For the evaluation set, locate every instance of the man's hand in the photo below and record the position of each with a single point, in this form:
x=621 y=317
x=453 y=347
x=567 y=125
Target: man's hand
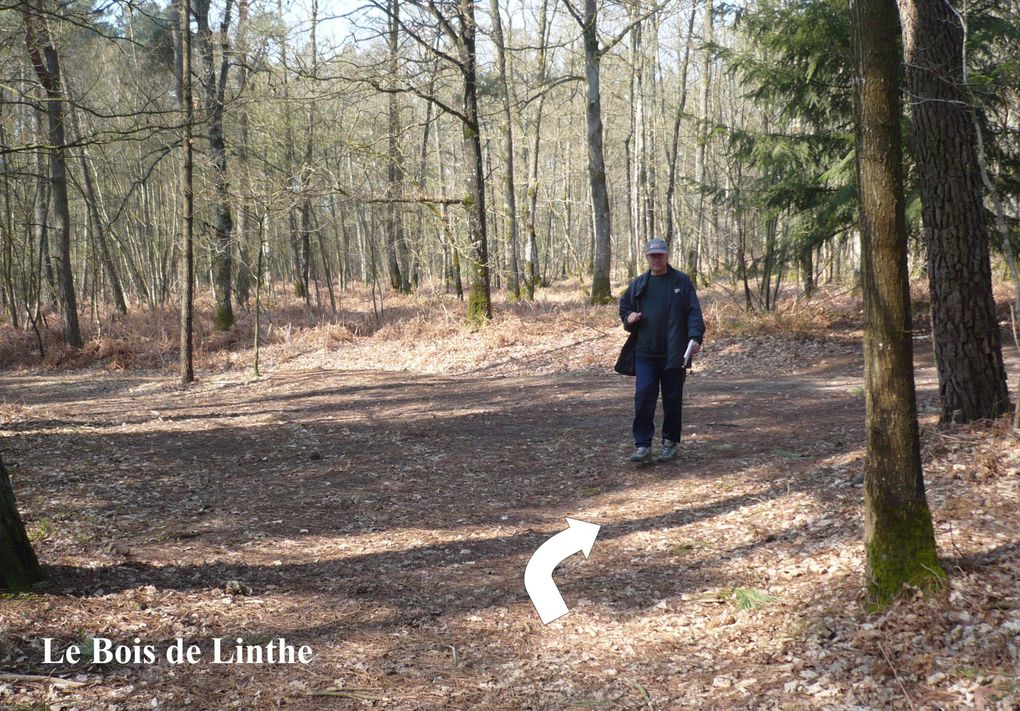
x=696 y=348
x=633 y=317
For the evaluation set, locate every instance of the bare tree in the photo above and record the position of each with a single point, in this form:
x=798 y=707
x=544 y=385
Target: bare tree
x=509 y=190
x=46 y=63
x=214 y=80
x=187 y=258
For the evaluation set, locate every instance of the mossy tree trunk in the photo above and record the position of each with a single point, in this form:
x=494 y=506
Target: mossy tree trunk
x=19 y=567
x=898 y=534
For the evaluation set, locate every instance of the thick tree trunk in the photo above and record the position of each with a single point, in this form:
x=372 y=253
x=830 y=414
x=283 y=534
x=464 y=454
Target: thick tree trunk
x=968 y=348
x=898 y=534
x=19 y=567
x=479 y=305
x=600 y=291
x=46 y=63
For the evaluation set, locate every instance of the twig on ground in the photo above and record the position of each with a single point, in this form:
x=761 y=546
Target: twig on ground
x=910 y=702
x=348 y=694
x=55 y=680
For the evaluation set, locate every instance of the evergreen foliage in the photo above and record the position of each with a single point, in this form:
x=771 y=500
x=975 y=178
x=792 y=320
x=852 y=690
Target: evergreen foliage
x=796 y=65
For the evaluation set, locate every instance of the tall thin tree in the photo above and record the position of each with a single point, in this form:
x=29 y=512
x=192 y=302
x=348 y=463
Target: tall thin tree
x=187 y=255
x=898 y=535
x=43 y=54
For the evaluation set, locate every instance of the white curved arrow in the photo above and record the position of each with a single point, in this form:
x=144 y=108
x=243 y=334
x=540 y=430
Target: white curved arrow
x=538 y=581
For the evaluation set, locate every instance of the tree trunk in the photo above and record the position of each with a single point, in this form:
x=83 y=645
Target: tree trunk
x=187 y=256
x=807 y=271
x=99 y=219
x=47 y=68
x=242 y=284
x=509 y=190
x=394 y=166
x=215 y=86
x=532 y=269
x=675 y=144
x=19 y=567
x=700 y=239
x=479 y=305
x=898 y=534
x=637 y=168
x=600 y=291
x=968 y=348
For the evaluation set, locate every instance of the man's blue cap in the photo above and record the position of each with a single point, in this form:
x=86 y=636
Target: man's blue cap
x=657 y=246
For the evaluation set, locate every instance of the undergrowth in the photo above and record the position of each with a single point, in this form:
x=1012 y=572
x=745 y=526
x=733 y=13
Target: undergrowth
x=148 y=338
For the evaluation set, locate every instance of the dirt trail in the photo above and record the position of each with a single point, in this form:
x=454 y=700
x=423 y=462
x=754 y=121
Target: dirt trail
x=385 y=520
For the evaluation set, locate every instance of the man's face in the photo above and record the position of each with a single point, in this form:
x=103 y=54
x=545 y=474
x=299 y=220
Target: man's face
x=657 y=261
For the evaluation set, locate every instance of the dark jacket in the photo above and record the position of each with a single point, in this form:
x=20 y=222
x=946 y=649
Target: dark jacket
x=685 y=321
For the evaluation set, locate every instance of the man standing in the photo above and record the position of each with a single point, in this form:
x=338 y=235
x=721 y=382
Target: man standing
x=660 y=311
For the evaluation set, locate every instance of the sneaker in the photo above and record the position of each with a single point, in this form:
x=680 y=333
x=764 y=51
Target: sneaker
x=641 y=454
x=668 y=451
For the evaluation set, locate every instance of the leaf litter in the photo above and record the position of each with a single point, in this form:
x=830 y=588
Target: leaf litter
x=384 y=518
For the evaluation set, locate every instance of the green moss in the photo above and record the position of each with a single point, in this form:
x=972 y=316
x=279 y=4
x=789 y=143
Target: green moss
x=224 y=320
x=901 y=551
x=478 y=307
x=601 y=293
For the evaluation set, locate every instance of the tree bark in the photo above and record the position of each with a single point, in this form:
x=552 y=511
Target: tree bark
x=187 y=256
x=215 y=81
x=479 y=305
x=532 y=269
x=242 y=285
x=697 y=249
x=968 y=348
x=509 y=189
x=675 y=144
x=394 y=167
x=19 y=567
x=898 y=534
x=600 y=291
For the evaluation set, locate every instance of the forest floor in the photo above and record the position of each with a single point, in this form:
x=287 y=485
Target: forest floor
x=377 y=498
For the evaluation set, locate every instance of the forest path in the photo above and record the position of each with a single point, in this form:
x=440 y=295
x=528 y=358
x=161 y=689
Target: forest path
x=385 y=519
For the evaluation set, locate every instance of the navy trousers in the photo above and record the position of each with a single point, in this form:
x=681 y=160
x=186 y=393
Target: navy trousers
x=651 y=376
